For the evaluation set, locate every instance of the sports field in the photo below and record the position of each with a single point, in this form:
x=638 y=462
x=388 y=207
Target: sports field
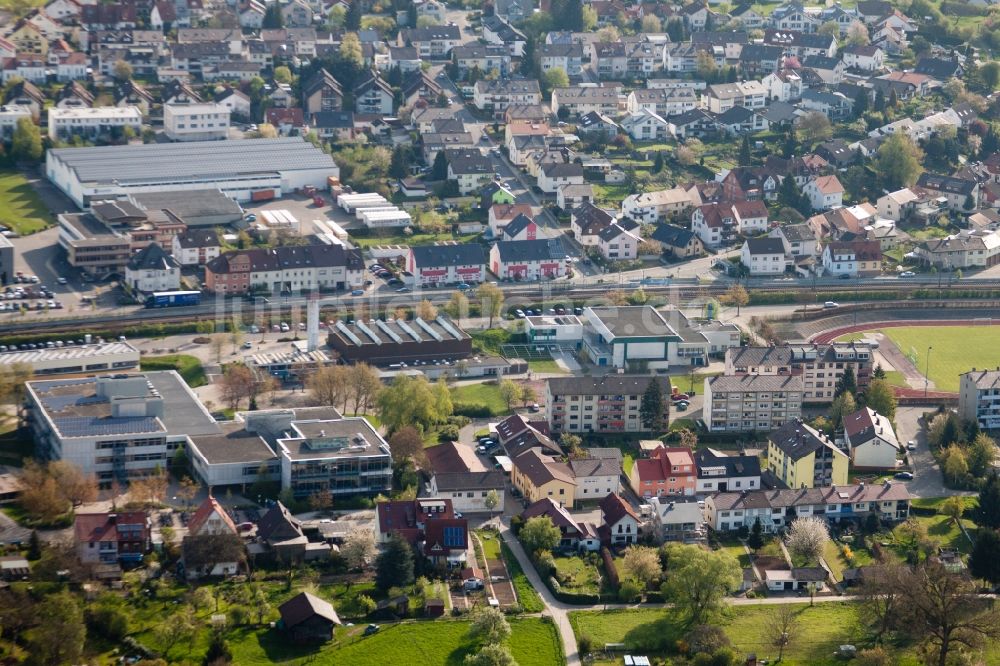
x=956 y=349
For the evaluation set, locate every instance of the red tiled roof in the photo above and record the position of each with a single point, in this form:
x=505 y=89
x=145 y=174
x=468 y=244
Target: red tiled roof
x=208 y=507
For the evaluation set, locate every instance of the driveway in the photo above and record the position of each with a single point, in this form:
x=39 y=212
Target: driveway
x=927 y=480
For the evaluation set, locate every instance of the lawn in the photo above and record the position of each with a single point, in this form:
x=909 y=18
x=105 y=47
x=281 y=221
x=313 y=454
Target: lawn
x=957 y=349
x=20 y=207
x=481 y=394
x=834 y=559
x=189 y=367
x=534 y=642
x=943 y=529
x=547 y=366
x=491 y=544
x=736 y=549
x=819 y=630
x=402 y=239
x=527 y=596
x=577 y=576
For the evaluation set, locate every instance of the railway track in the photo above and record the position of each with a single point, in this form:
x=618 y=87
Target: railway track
x=515 y=296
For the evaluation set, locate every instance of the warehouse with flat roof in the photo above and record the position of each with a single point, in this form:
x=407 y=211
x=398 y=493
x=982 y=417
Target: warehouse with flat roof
x=242 y=169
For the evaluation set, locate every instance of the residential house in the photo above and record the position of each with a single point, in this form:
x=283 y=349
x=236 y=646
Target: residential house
x=73 y=95
x=860 y=258
x=373 y=96
x=447 y=264
x=719 y=473
x=802 y=457
x=741 y=120
x=427 y=524
x=764 y=256
x=236 y=101
x=587 y=220
x=431 y=41
x=212 y=546
x=296 y=14
x=898 y=205
x=482 y=57
x=799 y=240
x=795 y=579
x=528 y=259
x=674 y=519
x=288 y=268
x=571 y=196
x=567 y=57
x=720 y=97
x=793 y=16
x=761 y=60
x=751 y=403
x=833 y=105
x=775 y=509
x=538 y=476
x=552 y=177
x=783 y=85
x=152 y=269
x=469 y=168
x=645 y=125
x=500 y=32
x=110 y=538
x=865 y=57
x=497 y=95
x=597 y=475
x=322 y=92
x=581 y=100
x=502 y=214
x=942 y=69
x=718 y=224
x=196 y=247
x=750 y=183
x=667 y=471
x=662 y=101
x=620 y=526
x=966 y=249
x=962 y=194
x=619 y=241
x=802 y=44
x=870 y=440
x=654 y=207
x=574 y=535
x=824 y=192
x=695 y=123
x=468 y=491
x=677 y=242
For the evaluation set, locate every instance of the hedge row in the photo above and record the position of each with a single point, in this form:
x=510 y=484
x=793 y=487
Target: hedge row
x=473 y=410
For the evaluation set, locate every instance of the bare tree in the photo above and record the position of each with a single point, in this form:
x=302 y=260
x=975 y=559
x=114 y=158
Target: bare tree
x=217 y=342
x=781 y=626
x=880 y=595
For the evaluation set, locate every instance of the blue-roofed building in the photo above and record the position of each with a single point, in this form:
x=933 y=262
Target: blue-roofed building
x=117 y=427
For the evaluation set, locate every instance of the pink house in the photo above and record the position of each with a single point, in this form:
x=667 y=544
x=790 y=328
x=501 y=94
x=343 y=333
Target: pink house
x=668 y=471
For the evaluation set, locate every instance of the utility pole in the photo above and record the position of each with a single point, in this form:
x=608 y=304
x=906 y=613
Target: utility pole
x=927 y=370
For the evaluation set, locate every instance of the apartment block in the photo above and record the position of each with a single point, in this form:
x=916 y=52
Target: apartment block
x=979 y=398
x=751 y=403
x=802 y=457
x=196 y=122
x=820 y=366
x=598 y=404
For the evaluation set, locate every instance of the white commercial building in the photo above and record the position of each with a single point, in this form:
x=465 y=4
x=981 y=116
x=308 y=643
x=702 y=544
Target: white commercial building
x=118 y=427
x=196 y=122
x=65 y=123
x=244 y=170
x=75 y=359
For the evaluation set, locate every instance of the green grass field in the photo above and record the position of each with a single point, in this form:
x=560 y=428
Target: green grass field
x=580 y=577
x=415 y=239
x=957 y=349
x=483 y=394
x=819 y=630
x=546 y=365
x=534 y=642
x=527 y=596
x=189 y=367
x=20 y=207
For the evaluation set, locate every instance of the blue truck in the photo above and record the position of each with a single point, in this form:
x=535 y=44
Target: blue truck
x=171 y=299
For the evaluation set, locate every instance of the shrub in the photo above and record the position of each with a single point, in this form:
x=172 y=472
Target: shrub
x=448 y=433
x=629 y=591
x=610 y=570
x=706 y=639
x=545 y=564
x=584 y=644
x=472 y=410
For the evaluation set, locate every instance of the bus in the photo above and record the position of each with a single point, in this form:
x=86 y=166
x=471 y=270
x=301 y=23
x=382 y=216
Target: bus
x=169 y=299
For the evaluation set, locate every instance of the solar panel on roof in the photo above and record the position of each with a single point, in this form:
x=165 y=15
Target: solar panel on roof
x=90 y=426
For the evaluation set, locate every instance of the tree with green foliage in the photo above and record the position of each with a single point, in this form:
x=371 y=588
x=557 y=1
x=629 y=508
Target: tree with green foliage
x=843 y=405
x=34 y=546
x=439 y=171
x=744 y=156
x=273 y=18
x=492 y=654
x=981 y=454
x=400 y=165
x=410 y=401
x=756 y=539
x=698 y=580
x=553 y=78
x=899 y=161
x=355 y=12
x=60 y=637
x=790 y=195
x=846 y=383
x=880 y=397
x=510 y=393
x=394 y=565
x=652 y=408
x=987 y=512
x=984 y=562
x=878 y=372
x=736 y=295
x=489 y=625
x=658 y=163
x=26 y=144
x=539 y=534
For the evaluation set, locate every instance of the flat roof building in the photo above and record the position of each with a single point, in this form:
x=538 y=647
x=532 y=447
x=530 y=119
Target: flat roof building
x=309 y=450
x=198 y=208
x=395 y=341
x=118 y=427
x=239 y=169
x=116 y=356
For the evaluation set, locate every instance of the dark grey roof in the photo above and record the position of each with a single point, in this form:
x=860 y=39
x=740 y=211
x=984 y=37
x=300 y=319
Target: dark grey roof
x=821 y=62
x=467 y=254
x=765 y=245
x=798 y=232
x=946 y=183
x=305 y=606
x=595 y=467
x=760 y=53
x=734 y=465
x=606 y=385
x=517 y=225
x=291 y=256
x=194 y=238
x=736 y=114
x=152 y=258
x=543 y=249
x=332 y=119
x=469 y=481
x=434 y=32
x=939 y=68
x=797 y=440
x=671 y=235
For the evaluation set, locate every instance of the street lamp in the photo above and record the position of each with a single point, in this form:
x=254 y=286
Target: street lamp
x=927 y=370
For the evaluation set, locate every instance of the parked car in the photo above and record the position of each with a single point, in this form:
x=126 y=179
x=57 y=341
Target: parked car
x=907 y=274
x=911 y=445
x=371 y=629
x=829 y=305
x=904 y=476
x=358 y=292
x=676 y=397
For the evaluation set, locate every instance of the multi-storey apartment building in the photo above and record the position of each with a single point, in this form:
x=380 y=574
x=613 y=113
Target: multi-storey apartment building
x=110 y=538
x=598 y=404
x=751 y=403
x=979 y=398
x=284 y=269
x=65 y=123
x=776 y=508
x=802 y=457
x=820 y=366
x=196 y=122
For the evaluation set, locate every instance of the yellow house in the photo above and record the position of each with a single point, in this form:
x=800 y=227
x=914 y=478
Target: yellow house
x=802 y=457
x=538 y=476
x=29 y=39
